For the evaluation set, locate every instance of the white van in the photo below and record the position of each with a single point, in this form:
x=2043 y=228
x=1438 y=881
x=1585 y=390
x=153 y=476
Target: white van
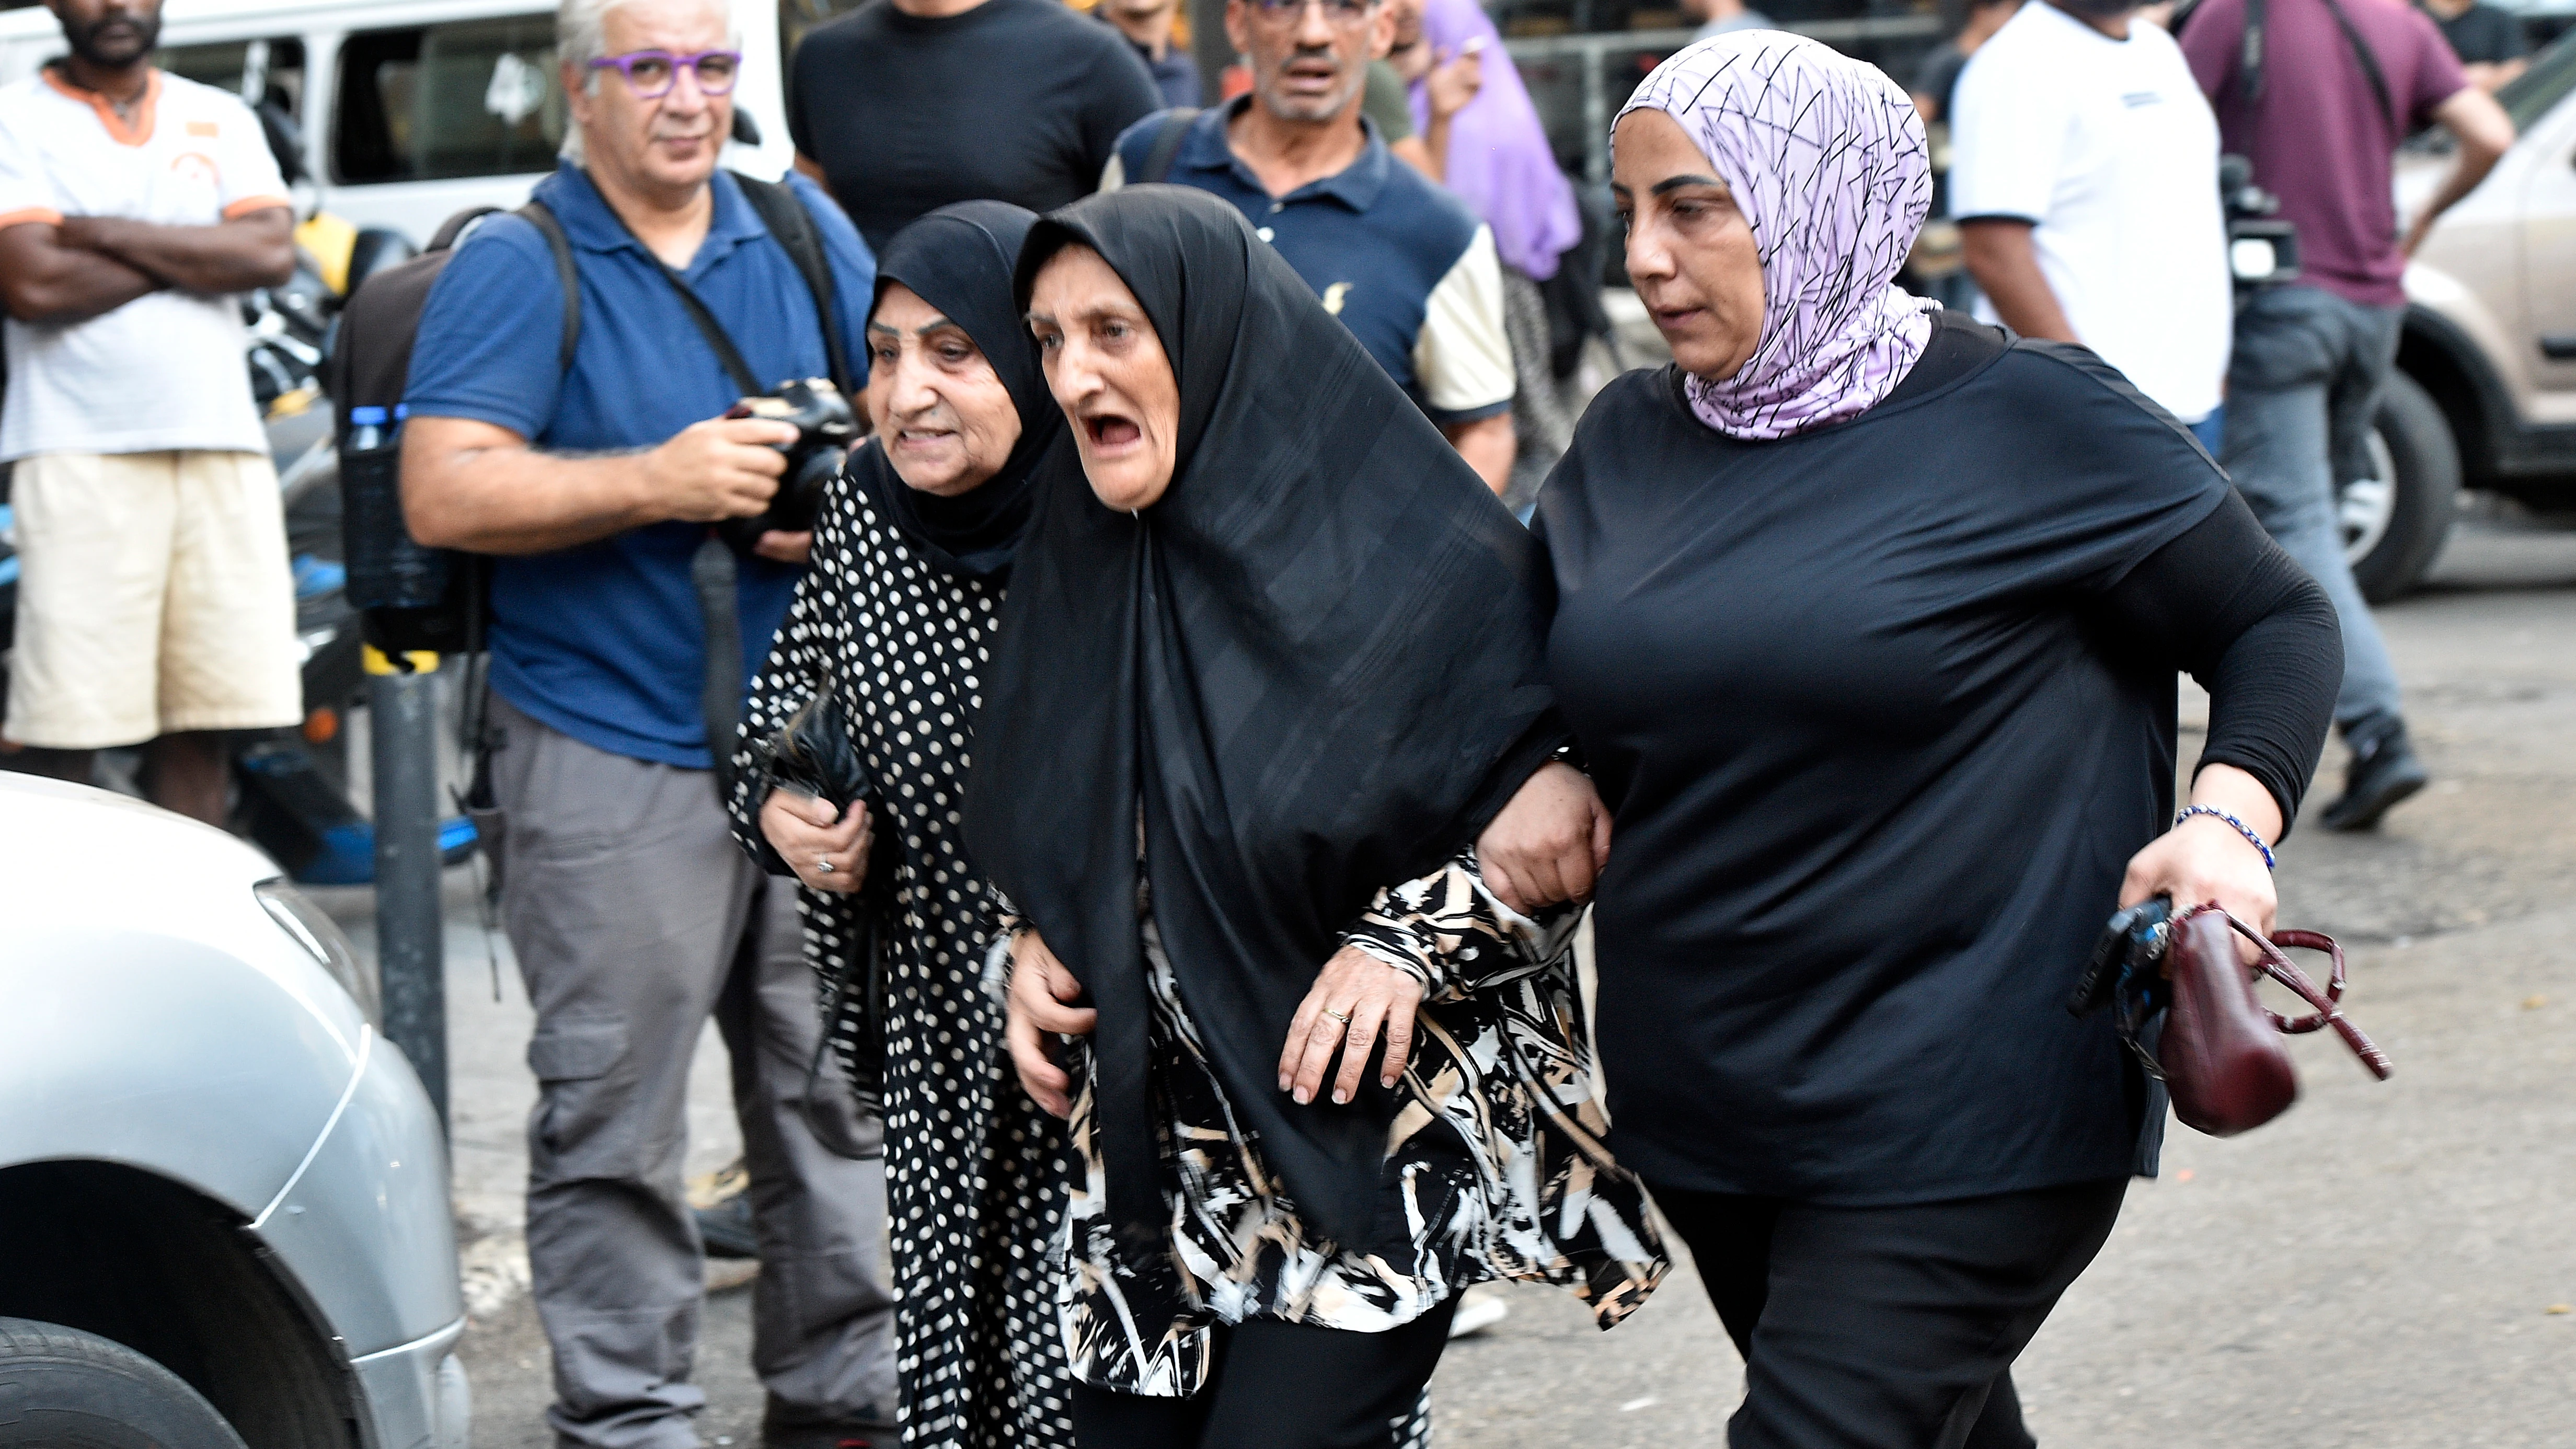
x=412 y=110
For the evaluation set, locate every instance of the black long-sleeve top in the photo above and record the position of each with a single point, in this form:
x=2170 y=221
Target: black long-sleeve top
x=1882 y=712
x=2222 y=602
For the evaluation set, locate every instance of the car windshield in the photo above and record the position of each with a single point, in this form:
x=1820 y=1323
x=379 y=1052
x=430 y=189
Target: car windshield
x=2530 y=95
x=2527 y=97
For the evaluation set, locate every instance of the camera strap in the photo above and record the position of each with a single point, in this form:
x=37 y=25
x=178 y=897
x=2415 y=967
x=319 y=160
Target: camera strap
x=745 y=381
x=2253 y=52
x=714 y=572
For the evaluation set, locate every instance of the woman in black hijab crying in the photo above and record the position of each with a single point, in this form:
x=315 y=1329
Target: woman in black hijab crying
x=910 y=557
x=1263 y=687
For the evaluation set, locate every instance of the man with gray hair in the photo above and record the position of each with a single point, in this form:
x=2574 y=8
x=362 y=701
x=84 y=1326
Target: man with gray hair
x=1403 y=263
x=624 y=629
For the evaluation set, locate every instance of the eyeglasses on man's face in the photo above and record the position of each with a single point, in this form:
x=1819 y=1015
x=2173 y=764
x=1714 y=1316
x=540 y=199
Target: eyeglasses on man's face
x=1340 y=12
x=652 y=73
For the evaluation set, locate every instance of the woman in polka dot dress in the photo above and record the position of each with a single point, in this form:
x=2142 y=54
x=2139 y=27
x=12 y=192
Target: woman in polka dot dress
x=911 y=554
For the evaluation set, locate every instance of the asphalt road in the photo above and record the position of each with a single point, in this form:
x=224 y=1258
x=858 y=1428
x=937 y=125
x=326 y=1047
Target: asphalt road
x=2390 y=1264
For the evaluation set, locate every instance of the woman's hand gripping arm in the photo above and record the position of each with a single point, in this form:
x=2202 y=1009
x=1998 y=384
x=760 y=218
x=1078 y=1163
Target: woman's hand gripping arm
x=1545 y=848
x=1550 y=841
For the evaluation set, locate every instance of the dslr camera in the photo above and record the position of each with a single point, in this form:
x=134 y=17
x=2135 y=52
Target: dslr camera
x=825 y=429
x=2262 y=249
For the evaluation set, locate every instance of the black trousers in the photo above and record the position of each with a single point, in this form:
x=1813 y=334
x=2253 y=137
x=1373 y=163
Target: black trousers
x=1887 y=1327
x=1280 y=1386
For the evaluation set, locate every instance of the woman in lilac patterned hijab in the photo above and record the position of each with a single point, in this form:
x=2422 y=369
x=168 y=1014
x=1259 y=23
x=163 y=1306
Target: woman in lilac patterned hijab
x=1826 y=160
x=1866 y=619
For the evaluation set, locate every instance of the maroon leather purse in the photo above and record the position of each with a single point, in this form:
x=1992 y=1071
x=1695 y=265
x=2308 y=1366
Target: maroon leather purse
x=2221 y=1054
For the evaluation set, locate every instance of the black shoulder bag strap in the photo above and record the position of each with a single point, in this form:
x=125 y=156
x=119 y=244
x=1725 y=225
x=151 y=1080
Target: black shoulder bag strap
x=1167 y=145
x=713 y=571
x=2250 y=58
x=2370 y=71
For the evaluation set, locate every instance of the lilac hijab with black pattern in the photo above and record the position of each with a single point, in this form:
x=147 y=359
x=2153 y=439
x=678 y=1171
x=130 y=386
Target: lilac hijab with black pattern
x=1827 y=161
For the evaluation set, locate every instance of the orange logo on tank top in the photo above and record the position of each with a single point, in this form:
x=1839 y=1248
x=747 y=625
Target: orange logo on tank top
x=195 y=168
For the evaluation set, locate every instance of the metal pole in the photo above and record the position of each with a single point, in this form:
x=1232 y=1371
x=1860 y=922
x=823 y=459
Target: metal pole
x=411 y=951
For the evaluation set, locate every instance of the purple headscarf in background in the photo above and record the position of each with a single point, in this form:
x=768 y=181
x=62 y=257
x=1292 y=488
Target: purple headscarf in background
x=1499 y=161
x=1826 y=158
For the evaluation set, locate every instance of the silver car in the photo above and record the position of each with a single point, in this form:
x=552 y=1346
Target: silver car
x=2485 y=391
x=223 y=1195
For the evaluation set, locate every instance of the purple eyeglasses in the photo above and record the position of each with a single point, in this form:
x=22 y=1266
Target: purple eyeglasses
x=652 y=73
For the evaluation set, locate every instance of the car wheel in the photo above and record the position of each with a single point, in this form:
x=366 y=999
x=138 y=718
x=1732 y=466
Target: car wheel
x=60 y=1386
x=2394 y=523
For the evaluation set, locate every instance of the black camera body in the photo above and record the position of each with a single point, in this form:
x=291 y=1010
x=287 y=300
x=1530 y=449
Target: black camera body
x=825 y=428
x=2262 y=249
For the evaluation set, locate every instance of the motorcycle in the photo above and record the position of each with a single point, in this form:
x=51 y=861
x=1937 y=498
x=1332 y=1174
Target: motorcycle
x=291 y=791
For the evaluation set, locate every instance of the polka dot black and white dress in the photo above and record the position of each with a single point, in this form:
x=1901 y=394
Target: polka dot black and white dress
x=976 y=1175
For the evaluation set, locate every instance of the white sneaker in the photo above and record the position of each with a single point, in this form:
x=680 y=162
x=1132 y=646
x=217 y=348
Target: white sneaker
x=1476 y=1313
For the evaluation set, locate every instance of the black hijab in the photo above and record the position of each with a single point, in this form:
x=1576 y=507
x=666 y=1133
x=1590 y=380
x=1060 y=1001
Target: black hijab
x=958 y=259
x=1314 y=669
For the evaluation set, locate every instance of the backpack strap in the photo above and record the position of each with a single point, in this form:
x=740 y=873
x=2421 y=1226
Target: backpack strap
x=455 y=228
x=561 y=246
x=1167 y=145
x=792 y=227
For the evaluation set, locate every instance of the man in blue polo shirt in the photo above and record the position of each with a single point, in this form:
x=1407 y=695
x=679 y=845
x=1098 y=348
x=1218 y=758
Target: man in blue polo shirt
x=1405 y=265
x=633 y=915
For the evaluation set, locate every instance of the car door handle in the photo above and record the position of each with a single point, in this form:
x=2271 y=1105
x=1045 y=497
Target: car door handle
x=2561 y=348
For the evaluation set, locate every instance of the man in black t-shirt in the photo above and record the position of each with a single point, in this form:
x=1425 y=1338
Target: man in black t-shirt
x=905 y=107
x=1147 y=24
x=2487 y=38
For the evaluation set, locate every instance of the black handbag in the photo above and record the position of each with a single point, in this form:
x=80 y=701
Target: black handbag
x=814 y=754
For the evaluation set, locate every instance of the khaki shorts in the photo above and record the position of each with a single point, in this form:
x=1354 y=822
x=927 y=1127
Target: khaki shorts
x=155 y=598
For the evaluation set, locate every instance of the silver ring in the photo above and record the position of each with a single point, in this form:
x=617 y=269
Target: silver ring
x=823 y=865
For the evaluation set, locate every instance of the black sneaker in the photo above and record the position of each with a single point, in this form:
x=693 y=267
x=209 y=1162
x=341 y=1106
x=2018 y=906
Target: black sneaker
x=778 y=1430
x=844 y=1436
x=725 y=1229
x=2384 y=771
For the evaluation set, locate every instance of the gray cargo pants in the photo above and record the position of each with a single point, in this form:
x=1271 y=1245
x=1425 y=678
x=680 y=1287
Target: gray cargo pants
x=635 y=917
x=2302 y=388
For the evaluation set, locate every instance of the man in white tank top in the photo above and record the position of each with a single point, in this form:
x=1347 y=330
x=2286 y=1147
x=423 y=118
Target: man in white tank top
x=156 y=602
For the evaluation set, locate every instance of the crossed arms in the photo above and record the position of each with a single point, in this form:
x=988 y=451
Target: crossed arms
x=54 y=273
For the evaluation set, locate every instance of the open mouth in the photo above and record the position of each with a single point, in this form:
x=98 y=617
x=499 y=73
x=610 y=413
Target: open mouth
x=1310 y=75
x=1109 y=430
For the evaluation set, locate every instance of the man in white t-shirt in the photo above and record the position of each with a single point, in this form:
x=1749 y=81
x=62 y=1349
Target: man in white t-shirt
x=155 y=602
x=2084 y=173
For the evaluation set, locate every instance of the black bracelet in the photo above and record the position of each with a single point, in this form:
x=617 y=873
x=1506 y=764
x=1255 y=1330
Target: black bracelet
x=2241 y=828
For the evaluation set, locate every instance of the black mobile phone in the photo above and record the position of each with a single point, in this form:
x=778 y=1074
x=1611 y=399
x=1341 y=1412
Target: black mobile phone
x=2125 y=938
